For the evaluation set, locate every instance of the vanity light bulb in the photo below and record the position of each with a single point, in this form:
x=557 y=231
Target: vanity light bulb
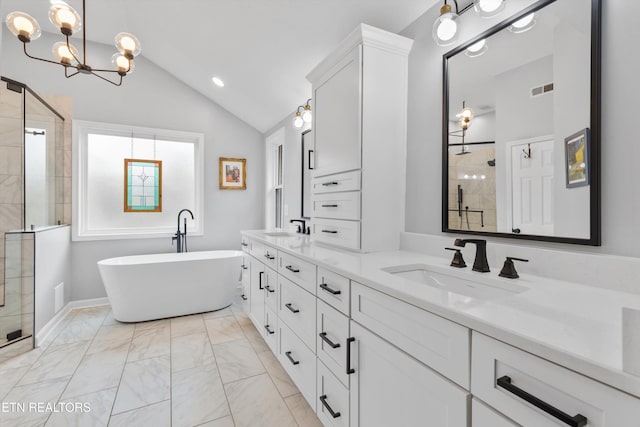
x=474 y=177
x=445 y=29
x=483 y=177
x=307 y=116
x=297 y=121
x=488 y=8
x=523 y=24
x=466 y=176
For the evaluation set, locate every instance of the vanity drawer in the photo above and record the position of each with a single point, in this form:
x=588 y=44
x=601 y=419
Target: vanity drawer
x=271 y=289
x=438 y=343
x=256 y=249
x=332 y=406
x=337 y=205
x=297 y=270
x=336 y=232
x=334 y=290
x=244 y=270
x=299 y=362
x=270 y=331
x=270 y=257
x=347 y=181
x=501 y=372
x=333 y=331
x=483 y=416
x=297 y=308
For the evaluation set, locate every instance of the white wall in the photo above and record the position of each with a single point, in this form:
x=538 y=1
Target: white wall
x=151 y=97
x=620 y=195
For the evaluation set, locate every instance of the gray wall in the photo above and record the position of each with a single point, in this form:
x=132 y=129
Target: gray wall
x=620 y=195
x=151 y=97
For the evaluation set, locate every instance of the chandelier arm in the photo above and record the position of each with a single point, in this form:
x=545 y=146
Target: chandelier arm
x=72 y=54
x=104 y=71
x=42 y=59
x=107 y=80
x=84 y=33
x=70 y=75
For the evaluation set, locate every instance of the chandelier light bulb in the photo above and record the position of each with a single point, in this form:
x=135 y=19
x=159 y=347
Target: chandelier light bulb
x=122 y=63
x=63 y=53
x=128 y=45
x=23 y=26
x=445 y=29
x=65 y=18
x=523 y=24
x=488 y=8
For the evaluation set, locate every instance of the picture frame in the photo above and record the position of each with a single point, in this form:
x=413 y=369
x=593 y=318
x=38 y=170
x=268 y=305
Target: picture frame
x=577 y=152
x=142 y=185
x=233 y=173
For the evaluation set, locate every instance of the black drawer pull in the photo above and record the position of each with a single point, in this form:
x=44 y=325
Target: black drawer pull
x=330 y=231
x=323 y=399
x=244 y=297
x=326 y=288
x=350 y=370
x=291 y=359
x=309 y=160
x=329 y=206
x=575 y=421
x=260 y=280
x=292 y=269
x=269 y=330
x=244 y=244
x=268 y=288
x=244 y=267
x=323 y=335
x=327 y=184
x=269 y=256
x=293 y=310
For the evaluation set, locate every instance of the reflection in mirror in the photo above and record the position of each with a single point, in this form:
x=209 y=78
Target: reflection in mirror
x=515 y=99
x=307 y=167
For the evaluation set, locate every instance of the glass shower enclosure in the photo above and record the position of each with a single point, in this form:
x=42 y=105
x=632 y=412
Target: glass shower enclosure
x=31 y=197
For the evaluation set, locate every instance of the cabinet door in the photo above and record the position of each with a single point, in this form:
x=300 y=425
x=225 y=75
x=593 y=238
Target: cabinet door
x=337 y=117
x=483 y=416
x=256 y=297
x=390 y=388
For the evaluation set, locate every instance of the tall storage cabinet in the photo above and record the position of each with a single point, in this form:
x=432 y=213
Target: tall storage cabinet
x=360 y=103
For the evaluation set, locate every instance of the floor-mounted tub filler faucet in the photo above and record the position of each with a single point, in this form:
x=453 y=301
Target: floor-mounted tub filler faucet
x=181 y=236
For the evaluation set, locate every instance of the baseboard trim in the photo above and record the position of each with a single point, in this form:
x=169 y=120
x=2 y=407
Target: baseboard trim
x=60 y=315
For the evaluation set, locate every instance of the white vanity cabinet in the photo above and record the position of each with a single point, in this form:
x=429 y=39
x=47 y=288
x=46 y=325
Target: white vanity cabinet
x=360 y=103
x=256 y=292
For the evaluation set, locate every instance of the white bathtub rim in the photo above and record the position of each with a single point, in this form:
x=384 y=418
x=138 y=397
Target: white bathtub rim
x=171 y=257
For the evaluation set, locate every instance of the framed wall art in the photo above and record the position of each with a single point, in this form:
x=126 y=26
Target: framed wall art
x=577 y=159
x=142 y=185
x=233 y=174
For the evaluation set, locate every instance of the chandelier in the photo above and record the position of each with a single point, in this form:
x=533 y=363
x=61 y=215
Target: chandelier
x=68 y=21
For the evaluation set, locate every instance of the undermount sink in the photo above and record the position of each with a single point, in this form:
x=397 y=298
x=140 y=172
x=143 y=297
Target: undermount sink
x=486 y=289
x=277 y=233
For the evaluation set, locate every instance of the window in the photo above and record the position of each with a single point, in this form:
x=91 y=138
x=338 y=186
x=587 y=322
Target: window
x=275 y=189
x=132 y=182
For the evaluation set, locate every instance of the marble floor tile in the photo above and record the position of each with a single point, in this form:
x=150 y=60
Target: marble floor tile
x=255 y=401
x=110 y=320
x=99 y=346
x=79 y=329
x=218 y=313
x=57 y=361
x=220 y=422
x=120 y=331
x=189 y=351
x=256 y=340
x=302 y=412
x=277 y=373
x=30 y=396
x=152 y=324
x=237 y=360
x=144 y=382
x=223 y=329
x=98 y=371
x=197 y=396
x=99 y=409
x=149 y=343
x=20 y=355
x=156 y=415
x=10 y=377
x=187 y=325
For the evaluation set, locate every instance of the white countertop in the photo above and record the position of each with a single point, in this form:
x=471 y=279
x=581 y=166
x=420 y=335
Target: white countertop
x=576 y=326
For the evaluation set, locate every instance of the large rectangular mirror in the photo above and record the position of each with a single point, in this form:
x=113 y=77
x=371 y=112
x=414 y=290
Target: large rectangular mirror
x=521 y=130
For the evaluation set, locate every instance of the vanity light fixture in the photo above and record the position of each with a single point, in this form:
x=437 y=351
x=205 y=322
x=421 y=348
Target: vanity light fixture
x=445 y=29
x=306 y=116
x=477 y=49
x=69 y=22
x=488 y=8
x=523 y=24
x=298 y=122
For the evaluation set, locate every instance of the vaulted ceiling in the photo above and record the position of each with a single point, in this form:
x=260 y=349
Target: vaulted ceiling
x=261 y=49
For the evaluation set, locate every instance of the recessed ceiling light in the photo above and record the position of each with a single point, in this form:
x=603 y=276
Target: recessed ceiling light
x=217 y=81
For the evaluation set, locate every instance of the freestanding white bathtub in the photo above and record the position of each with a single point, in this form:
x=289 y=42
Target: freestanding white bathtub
x=147 y=287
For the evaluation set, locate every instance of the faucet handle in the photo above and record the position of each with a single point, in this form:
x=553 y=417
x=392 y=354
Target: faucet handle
x=509 y=270
x=457 y=261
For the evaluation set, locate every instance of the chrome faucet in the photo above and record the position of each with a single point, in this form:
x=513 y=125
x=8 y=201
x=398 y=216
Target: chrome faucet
x=480 y=262
x=181 y=236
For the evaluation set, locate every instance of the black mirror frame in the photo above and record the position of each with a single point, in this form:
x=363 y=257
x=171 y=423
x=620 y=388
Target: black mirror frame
x=594 y=160
x=305 y=163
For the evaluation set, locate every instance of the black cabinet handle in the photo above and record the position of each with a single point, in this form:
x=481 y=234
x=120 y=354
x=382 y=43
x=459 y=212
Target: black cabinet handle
x=269 y=330
x=260 y=280
x=326 y=288
x=330 y=231
x=292 y=269
x=291 y=359
x=268 y=288
x=293 y=310
x=269 y=256
x=575 y=421
x=327 y=184
x=350 y=370
x=309 y=160
x=323 y=399
x=329 y=206
x=244 y=244
x=323 y=335
x=244 y=297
